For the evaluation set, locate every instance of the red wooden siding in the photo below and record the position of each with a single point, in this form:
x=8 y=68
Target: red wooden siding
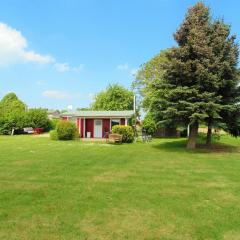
x=82 y=128
x=90 y=126
x=122 y=121
x=105 y=126
x=64 y=118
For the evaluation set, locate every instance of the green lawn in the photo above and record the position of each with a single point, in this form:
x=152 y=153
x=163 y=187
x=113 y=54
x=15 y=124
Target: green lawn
x=79 y=190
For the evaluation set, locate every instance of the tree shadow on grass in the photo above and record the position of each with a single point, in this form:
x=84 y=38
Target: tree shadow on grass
x=180 y=146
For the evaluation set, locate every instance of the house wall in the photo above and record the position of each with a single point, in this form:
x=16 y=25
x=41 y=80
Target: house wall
x=105 y=126
x=82 y=128
x=89 y=126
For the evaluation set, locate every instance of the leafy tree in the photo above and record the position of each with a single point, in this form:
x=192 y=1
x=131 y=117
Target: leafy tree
x=10 y=103
x=115 y=98
x=148 y=83
x=12 y=114
x=37 y=118
x=150 y=74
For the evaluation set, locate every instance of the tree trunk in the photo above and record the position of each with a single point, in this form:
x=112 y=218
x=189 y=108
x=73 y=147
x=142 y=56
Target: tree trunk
x=192 y=138
x=209 y=135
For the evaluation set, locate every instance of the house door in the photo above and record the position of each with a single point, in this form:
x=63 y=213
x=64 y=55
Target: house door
x=98 y=128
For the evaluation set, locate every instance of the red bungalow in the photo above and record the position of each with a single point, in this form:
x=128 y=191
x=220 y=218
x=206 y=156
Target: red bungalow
x=96 y=124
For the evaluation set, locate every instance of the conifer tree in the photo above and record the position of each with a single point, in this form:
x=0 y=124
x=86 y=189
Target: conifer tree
x=190 y=89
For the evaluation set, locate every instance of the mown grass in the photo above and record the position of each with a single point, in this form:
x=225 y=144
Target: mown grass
x=158 y=190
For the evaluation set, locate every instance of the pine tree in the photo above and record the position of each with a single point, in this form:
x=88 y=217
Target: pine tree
x=191 y=86
x=196 y=81
x=225 y=52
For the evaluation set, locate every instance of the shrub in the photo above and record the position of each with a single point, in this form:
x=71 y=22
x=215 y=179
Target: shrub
x=126 y=132
x=53 y=135
x=66 y=130
x=53 y=123
x=149 y=124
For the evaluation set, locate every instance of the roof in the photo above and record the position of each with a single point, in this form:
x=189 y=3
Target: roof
x=127 y=113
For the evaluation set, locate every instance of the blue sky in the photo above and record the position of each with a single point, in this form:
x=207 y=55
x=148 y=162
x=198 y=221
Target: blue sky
x=59 y=53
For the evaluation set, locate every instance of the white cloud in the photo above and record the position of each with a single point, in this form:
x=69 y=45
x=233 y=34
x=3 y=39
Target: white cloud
x=64 y=67
x=122 y=67
x=14 y=48
x=55 y=94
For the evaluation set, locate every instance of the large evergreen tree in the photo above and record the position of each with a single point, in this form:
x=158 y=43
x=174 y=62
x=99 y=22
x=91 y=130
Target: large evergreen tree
x=189 y=93
x=225 y=52
x=199 y=81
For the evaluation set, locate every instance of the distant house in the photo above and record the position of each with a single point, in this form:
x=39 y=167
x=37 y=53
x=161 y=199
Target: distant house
x=53 y=114
x=97 y=124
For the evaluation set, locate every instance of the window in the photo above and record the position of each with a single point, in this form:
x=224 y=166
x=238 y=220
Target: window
x=98 y=122
x=115 y=122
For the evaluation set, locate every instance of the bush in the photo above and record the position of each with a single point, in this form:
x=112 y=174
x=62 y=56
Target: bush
x=53 y=135
x=66 y=130
x=149 y=124
x=53 y=123
x=126 y=132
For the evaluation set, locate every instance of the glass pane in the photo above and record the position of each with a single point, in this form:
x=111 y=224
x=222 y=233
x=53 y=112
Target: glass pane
x=115 y=122
x=98 y=122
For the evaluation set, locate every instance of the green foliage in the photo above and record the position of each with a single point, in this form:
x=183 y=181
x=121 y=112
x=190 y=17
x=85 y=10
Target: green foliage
x=37 y=118
x=53 y=123
x=115 y=98
x=53 y=134
x=149 y=124
x=148 y=82
x=126 y=132
x=148 y=77
x=12 y=114
x=10 y=103
x=84 y=109
x=66 y=130
x=197 y=80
